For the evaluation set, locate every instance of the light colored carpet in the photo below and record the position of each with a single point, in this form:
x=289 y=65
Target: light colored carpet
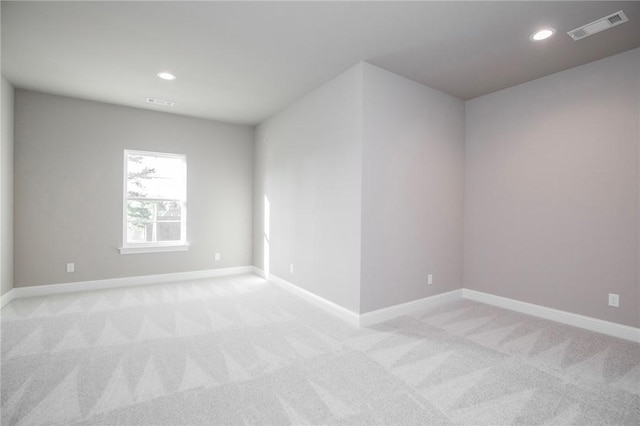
x=238 y=350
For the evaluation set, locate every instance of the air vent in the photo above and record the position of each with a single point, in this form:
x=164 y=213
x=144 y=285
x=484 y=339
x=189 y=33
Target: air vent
x=599 y=25
x=615 y=18
x=578 y=34
x=160 y=102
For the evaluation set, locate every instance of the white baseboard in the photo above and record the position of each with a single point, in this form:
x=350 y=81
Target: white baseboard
x=314 y=299
x=381 y=315
x=385 y=314
x=259 y=272
x=45 y=290
x=362 y=320
x=366 y=319
x=7 y=297
x=593 y=324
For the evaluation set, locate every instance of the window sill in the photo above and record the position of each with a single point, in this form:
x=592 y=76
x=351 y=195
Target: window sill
x=153 y=249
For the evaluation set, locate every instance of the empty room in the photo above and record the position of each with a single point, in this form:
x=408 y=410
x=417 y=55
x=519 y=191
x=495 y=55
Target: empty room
x=320 y=212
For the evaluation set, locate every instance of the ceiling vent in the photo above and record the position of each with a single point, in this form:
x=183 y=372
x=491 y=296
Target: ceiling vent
x=160 y=102
x=599 y=25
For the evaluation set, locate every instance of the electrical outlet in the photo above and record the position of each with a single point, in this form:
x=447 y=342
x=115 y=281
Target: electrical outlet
x=614 y=300
x=291 y=268
x=71 y=267
x=217 y=256
x=429 y=279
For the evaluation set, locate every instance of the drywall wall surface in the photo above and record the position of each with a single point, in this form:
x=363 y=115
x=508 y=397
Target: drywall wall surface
x=69 y=189
x=551 y=201
x=412 y=190
x=6 y=188
x=307 y=191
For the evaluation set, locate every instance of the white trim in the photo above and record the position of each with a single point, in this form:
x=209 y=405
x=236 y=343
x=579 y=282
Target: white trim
x=153 y=249
x=259 y=272
x=45 y=290
x=363 y=320
x=337 y=310
x=128 y=248
x=7 y=297
x=605 y=327
x=385 y=314
x=156 y=154
x=366 y=319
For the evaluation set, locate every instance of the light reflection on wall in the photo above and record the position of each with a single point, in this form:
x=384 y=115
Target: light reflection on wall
x=266 y=236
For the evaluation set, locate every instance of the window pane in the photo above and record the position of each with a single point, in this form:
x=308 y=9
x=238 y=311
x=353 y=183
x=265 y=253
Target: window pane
x=138 y=173
x=169 y=210
x=155 y=198
x=168 y=167
x=168 y=231
x=155 y=177
x=138 y=232
x=140 y=211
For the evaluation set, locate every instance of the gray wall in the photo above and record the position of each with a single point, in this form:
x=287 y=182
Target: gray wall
x=307 y=164
x=552 y=197
x=6 y=188
x=412 y=190
x=69 y=180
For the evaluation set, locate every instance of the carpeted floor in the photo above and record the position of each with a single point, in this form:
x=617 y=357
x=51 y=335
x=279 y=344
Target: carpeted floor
x=238 y=350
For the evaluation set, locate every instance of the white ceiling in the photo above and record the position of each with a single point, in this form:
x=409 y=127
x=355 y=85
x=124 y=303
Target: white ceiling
x=243 y=61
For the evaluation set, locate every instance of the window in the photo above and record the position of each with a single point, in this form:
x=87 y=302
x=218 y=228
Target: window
x=155 y=202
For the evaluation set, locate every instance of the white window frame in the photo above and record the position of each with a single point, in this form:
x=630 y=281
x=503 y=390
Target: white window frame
x=159 y=246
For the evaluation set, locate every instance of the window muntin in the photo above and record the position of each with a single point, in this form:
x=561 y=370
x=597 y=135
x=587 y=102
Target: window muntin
x=155 y=193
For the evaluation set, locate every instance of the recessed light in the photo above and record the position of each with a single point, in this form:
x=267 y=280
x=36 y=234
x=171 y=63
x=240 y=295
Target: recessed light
x=543 y=34
x=166 y=75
